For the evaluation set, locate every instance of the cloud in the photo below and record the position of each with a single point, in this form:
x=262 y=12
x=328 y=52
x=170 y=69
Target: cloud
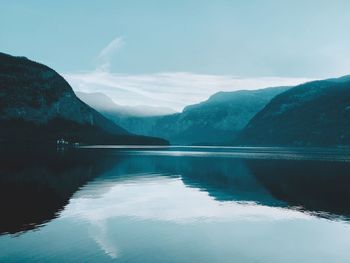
x=104 y=57
x=173 y=90
x=168 y=89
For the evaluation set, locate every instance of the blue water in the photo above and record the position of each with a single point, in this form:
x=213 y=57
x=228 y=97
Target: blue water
x=177 y=204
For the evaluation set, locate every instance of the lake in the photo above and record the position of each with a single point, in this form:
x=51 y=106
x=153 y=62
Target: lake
x=175 y=204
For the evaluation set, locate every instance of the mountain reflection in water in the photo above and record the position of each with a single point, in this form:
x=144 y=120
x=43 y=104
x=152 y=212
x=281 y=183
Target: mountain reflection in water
x=36 y=186
x=133 y=195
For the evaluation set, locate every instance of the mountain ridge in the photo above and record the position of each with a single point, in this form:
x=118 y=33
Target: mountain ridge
x=33 y=95
x=315 y=113
x=214 y=121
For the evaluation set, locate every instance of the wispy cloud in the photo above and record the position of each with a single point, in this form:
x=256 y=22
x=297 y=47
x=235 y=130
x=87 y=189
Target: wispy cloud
x=106 y=54
x=165 y=89
x=173 y=89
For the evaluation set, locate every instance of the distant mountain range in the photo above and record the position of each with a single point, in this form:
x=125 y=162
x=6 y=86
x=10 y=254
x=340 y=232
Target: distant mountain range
x=108 y=107
x=316 y=113
x=37 y=104
x=215 y=121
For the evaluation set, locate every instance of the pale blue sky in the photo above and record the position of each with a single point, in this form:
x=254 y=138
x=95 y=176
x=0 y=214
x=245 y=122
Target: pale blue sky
x=248 y=39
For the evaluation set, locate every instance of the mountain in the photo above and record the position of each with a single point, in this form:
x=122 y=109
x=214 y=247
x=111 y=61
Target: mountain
x=215 y=121
x=316 y=113
x=37 y=104
x=109 y=108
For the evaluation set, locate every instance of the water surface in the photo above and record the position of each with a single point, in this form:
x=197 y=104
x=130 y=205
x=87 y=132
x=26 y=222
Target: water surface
x=177 y=204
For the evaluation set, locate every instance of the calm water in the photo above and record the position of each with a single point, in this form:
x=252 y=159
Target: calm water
x=181 y=204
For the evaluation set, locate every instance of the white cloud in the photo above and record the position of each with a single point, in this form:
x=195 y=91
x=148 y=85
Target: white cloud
x=168 y=89
x=165 y=89
x=104 y=58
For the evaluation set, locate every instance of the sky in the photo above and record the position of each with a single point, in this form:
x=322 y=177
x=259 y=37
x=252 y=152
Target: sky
x=175 y=53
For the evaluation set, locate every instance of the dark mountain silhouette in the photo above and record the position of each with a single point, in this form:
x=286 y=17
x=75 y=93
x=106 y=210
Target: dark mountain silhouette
x=316 y=113
x=37 y=104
